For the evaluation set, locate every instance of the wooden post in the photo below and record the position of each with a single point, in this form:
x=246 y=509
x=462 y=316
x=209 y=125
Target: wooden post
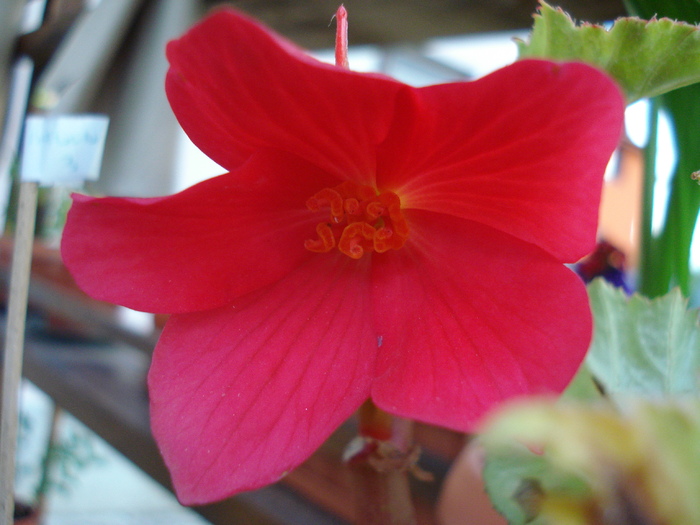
x=14 y=344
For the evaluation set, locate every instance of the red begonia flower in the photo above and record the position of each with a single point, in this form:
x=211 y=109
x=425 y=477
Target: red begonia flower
x=372 y=240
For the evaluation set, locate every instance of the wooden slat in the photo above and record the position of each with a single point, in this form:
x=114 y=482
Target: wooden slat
x=14 y=344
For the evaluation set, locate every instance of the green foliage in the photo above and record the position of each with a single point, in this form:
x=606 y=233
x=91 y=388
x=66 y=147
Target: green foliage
x=641 y=348
x=645 y=58
x=65 y=459
x=517 y=479
x=598 y=466
x=633 y=457
x=666 y=258
x=688 y=10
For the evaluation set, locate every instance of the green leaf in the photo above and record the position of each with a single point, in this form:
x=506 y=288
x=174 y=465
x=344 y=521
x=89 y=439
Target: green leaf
x=645 y=58
x=641 y=346
x=686 y=10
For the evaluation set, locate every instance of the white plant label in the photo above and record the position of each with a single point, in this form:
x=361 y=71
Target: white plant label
x=65 y=149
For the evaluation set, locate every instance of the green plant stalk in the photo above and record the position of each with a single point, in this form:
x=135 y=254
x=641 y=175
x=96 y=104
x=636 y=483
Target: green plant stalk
x=684 y=202
x=665 y=260
x=647 y=251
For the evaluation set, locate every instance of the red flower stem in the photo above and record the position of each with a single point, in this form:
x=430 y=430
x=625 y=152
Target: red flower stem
x=341 y=38
x=380 y=460
x=380 y=457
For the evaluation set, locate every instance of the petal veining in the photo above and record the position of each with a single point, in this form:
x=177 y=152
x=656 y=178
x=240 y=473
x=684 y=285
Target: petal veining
x=197 y=249
x=469 y=317
x=236 y=87
x=522 y=150
x=242 y=394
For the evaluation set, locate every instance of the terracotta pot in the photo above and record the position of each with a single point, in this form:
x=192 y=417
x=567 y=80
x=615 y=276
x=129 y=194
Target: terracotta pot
x=463 y=500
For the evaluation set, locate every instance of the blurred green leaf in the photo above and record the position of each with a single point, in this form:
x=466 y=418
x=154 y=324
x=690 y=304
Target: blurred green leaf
x=598 y=466
x=517 y=481
x=646 y=58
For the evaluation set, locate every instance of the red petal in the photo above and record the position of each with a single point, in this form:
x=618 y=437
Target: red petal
x=236 y=87
x=242 y=394
x=523 y=150
x=468 y=317
x=200 y=248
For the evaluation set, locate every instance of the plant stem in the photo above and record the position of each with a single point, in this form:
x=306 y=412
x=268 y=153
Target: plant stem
x=648 y=254
x=380 y=459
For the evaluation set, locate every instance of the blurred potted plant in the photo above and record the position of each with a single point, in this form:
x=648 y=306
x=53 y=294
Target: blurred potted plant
x=65 y=455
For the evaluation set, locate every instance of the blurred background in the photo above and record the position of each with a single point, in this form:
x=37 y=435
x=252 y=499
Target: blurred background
x=107 y=57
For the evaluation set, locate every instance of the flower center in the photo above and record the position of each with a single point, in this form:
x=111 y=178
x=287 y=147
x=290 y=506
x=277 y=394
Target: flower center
x=361 y=220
